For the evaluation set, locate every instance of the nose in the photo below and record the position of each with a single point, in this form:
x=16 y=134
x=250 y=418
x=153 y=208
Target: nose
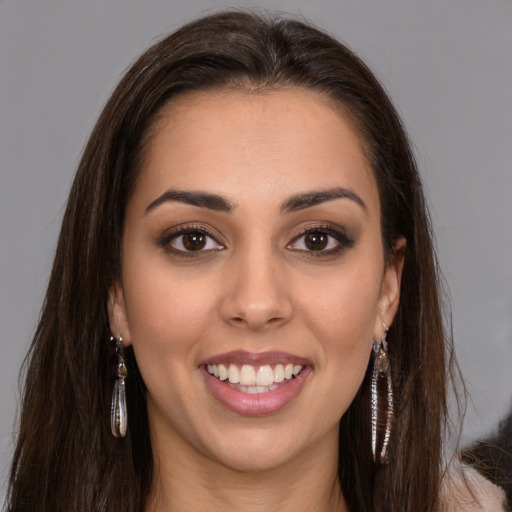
x=257 y=294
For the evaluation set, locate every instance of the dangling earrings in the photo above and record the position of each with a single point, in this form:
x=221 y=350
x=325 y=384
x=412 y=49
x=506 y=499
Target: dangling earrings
x=382 y=401
x=118 y=410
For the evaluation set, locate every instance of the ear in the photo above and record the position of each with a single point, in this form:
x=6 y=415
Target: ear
x=390 y=290
x=118 y=317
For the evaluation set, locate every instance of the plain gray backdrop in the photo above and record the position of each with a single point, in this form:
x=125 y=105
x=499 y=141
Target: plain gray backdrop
x=447 y=65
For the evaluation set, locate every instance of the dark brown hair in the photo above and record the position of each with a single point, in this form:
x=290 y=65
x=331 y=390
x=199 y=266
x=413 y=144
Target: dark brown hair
x=66 y=458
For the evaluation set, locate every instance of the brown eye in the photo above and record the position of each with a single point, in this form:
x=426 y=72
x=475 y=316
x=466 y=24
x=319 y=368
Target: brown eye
x=321 y=241
x=187 y=240
x=194 y=241
x=316 y=240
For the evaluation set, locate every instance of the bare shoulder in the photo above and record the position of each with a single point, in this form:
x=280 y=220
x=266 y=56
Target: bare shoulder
x=465 y=490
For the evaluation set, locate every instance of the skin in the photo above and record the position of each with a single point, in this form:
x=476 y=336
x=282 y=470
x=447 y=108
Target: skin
x=257 y=287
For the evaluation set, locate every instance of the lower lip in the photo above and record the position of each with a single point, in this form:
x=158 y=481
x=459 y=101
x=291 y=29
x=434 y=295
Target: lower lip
x=258 y=404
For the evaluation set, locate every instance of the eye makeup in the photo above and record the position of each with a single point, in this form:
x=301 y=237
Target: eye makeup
x=321 y=239
x=189 y=240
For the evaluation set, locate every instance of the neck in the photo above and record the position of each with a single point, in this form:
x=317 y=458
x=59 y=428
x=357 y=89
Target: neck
x=192 y=481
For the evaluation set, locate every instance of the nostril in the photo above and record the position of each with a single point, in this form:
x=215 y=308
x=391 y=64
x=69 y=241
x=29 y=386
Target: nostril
x=239 y=321
x=276 y=322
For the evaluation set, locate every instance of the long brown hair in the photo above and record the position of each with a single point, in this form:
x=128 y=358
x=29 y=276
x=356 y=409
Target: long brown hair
x=66 y=458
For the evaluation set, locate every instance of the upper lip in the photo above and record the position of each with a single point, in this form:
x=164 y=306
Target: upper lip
x=256 y=358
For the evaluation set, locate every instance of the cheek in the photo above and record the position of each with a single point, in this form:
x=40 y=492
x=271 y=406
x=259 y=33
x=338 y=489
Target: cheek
x=346 y=344
x=166 y=312
x=341 y=314
x=346 y=303
x=168 y=317
x=347 y=341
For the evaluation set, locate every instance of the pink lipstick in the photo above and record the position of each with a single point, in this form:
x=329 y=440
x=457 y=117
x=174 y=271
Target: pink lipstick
x=255 y=384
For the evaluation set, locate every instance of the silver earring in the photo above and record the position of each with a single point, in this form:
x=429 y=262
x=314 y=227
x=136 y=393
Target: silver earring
x=118 y=410
x=382 y=401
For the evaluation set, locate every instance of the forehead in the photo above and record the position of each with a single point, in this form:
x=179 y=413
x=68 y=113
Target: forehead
x=233 y=142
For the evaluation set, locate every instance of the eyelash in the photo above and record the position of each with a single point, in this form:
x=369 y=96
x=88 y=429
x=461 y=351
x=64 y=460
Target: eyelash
x=331 y=230
x=166 y=240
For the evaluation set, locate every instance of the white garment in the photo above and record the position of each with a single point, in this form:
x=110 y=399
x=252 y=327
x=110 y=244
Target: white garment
x=466 y=490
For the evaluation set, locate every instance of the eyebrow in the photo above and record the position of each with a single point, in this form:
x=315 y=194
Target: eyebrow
x=194 y=198
x=221 y=204
x=309 y=199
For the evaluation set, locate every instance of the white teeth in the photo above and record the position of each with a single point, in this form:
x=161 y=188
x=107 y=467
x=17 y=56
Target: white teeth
x=247 y=375
x=254 y=379
x=256 y=389
x=223 y=372
x=233 y=374
x=264 y=376
x=253 y=390
x=279 y=373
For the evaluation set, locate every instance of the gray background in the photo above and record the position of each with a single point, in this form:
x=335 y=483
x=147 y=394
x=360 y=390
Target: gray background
x=446 y=64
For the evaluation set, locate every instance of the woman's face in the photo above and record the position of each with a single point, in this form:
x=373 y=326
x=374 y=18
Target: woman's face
x=253 y=276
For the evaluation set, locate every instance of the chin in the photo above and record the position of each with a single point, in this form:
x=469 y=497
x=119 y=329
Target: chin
x=254 y=461
x=253 y=451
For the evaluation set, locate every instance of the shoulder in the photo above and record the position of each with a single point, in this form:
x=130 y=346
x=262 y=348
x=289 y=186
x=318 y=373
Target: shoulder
x=465 y=490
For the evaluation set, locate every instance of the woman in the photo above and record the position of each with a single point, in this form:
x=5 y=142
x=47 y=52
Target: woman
x=245 y=226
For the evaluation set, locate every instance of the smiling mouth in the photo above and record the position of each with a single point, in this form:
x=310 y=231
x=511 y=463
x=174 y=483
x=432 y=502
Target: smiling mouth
x=254 y=379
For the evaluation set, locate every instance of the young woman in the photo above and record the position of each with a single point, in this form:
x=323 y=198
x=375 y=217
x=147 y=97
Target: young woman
x=245 y=227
